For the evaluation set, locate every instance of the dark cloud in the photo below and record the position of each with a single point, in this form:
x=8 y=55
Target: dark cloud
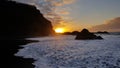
x=112 y=25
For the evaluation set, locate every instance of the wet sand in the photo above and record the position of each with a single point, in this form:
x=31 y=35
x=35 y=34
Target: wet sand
x=7 y=50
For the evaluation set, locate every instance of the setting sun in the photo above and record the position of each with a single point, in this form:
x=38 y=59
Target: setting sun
x=59 y=30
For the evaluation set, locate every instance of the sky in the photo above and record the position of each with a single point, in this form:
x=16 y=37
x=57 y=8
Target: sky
x=78 y=14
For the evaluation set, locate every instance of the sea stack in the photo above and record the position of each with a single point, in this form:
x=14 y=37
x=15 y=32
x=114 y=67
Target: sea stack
x=86 y=35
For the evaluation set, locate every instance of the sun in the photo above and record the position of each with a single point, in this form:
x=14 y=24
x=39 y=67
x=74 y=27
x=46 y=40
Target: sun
x=59 y=30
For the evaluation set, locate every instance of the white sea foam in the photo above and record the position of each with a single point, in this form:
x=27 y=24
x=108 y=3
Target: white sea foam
x=65 y=52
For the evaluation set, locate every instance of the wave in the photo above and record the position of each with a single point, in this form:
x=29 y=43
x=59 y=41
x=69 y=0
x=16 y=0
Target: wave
x=65 y=52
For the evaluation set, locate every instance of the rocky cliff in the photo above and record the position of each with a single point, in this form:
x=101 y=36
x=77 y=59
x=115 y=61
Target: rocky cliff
x=17 y=19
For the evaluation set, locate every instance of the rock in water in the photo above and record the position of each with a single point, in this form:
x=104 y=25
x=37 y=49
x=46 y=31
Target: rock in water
x=104 y=32
x=85 y=35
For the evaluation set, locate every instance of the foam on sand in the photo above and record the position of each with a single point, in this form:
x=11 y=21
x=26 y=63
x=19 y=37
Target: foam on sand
x=65 y=52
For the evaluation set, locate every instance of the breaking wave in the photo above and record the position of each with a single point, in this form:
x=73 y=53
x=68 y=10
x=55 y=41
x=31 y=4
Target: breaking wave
x=65 y=52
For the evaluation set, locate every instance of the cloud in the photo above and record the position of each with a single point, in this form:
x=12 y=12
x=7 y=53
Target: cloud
x=50 y=8
x=111 y=25
x=68 y=1
x=60 y=2
x=62 y=12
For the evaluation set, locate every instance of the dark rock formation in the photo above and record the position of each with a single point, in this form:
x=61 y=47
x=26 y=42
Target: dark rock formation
x=104 y=32
x=66 y=33
x=85 y=35
x=71 y=33
x=17 y=19
x=16 y=22
x=74 y=33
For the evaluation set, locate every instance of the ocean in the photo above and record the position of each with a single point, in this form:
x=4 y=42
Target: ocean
x=63 y=51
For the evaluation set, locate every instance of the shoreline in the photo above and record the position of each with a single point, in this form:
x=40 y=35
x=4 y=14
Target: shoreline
x=9 y=48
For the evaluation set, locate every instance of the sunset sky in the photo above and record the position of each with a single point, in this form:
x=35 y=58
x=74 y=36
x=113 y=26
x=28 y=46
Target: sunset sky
x=77 y=14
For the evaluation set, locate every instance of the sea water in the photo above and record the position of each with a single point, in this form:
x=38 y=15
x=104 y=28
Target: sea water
x=65 y=52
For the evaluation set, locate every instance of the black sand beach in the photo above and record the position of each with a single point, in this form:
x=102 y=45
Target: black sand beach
x=8 y=49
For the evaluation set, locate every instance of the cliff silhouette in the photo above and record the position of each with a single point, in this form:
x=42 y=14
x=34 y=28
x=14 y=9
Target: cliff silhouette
x=18 y=19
